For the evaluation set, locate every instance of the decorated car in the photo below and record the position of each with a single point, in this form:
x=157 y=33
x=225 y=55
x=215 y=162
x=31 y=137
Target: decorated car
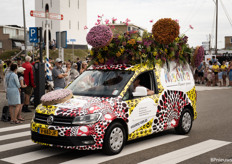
x=111 y=103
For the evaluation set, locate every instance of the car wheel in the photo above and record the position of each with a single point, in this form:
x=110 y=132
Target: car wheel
x=114 y=139
x=185 y=122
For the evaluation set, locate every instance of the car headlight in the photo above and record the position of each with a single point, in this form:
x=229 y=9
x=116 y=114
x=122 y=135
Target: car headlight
x=87 y=119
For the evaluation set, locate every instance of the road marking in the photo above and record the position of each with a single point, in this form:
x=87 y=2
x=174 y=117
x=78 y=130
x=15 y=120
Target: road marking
x=16 y=145
x=14 y=135
x=187 y=152
x=32 y=156
x=18 y=127
x=128 y=149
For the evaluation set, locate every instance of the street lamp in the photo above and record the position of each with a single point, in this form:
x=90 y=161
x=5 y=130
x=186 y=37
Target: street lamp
x=25 y=29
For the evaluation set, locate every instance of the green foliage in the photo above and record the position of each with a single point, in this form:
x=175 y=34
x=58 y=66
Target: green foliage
x=8 y=54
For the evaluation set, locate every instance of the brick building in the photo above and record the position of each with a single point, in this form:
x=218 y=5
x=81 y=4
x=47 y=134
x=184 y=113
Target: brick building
x=11 y=37
x=228 y=42
x=124 y=28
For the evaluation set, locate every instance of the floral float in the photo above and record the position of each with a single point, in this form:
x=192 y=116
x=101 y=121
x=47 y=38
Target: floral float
x=198 y=56
x=133 y=47
x=55 y=97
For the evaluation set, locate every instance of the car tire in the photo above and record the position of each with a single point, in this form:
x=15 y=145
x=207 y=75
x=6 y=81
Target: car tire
x=114 y=140
x=185 y=122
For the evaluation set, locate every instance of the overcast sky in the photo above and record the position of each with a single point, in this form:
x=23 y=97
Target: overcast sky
x=198 y=13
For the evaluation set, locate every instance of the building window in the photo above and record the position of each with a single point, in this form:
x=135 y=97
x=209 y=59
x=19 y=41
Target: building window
x=230 y=40
x=129 y=28
x=78 y=4
x=0 y=44
x=69 y=24
x=51 y=3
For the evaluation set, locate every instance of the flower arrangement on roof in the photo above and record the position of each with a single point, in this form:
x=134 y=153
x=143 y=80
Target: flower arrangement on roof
x=197 y=56
x=165 y=30
x=57 y=96
x=99 y=36
x=133 y=47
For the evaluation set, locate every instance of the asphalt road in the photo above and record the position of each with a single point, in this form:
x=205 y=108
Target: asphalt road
x=210 y=140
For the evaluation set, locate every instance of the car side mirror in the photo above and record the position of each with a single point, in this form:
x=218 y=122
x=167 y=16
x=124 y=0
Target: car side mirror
x=140 y=91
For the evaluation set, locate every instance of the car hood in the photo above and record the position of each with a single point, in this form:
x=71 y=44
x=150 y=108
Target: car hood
x=81 y=105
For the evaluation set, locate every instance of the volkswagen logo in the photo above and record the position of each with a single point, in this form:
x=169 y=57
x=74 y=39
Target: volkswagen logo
x=50 y=120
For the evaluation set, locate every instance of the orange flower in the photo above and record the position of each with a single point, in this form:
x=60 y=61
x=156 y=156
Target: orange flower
x=165 y=30
x=101 y=60
x=132 y=42
x=118 y=54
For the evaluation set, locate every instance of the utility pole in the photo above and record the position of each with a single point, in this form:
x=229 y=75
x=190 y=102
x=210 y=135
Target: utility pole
x=209 y=44
x=216 y=27
x=25 y=29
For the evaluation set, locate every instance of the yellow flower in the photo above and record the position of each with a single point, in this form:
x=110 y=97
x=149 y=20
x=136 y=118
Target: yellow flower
x=155 y=53
x=177 y=39
x=101 y=60
x=122 y=50
x=118 y=54
x=139 y=39
x=99 y=56
x=91 y=52
x=144 y=55
x=119 y=36
x=132 y=42
x=105 y=48
x=166 y=50
x=96 y=63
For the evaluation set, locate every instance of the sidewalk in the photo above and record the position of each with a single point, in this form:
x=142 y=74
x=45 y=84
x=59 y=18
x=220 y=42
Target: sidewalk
x=3 y=102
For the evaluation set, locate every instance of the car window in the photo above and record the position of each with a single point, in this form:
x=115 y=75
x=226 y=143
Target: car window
x=100 y=83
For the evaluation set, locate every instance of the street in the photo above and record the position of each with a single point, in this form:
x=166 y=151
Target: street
x=208 y=142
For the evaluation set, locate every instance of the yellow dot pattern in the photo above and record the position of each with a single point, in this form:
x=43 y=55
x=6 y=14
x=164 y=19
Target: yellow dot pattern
x=142 y=131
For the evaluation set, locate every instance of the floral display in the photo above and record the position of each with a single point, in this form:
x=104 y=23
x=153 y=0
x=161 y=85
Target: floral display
x=135 y=47
x=165 y=31
x=198 y=56
x=99 y=36
x=56 y=96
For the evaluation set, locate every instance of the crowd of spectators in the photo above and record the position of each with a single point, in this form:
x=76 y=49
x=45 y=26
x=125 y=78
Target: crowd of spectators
x=214 y=73
x=18 y=78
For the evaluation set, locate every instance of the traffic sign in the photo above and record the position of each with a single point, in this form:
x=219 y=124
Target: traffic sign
x=55 y=16
x=33 y=35
x=39 y=14
x=72 y=40
x=42 y=14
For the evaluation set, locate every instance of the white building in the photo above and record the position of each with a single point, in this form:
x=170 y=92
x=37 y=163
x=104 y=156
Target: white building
x=75 y=19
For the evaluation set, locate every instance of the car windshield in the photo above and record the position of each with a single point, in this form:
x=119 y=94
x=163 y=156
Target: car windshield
x=100 y=83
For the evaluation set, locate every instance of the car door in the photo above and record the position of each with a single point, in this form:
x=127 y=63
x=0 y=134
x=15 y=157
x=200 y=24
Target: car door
x=142 y=110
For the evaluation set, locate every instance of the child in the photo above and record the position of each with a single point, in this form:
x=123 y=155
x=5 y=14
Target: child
x=220 y=76
x=209 y=76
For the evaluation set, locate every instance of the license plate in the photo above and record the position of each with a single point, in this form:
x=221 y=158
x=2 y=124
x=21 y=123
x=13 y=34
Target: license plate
x=48 y=132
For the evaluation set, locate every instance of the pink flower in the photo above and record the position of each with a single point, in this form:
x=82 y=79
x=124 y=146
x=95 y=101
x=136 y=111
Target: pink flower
x=99 y=36
x=127 y=20
x=107 y=21
x=114 y=19
x=56 y=95
x=113 y=27
x=190 y=26
x=176 y=20
x=85 y=28
x=151 y=21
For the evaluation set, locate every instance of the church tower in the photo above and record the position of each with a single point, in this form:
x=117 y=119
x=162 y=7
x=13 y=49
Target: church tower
x=75 y=19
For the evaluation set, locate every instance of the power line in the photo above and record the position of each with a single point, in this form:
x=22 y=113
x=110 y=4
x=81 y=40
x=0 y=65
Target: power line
x=227 y=14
